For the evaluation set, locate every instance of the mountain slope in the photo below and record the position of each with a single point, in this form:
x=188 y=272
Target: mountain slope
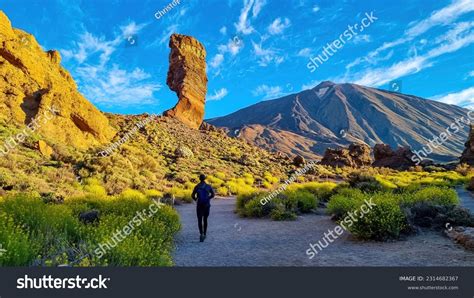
x=332 y=115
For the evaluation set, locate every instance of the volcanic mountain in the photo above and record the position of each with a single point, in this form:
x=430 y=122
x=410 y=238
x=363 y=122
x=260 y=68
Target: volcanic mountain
x=334 y=115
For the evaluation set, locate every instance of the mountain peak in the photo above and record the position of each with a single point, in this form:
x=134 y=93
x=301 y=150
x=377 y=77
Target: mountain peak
x=325 y=84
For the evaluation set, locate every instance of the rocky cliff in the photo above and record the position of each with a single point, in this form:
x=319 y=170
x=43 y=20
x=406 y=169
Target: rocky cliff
x=33 y=84
x=187 y=77
x=468 y=153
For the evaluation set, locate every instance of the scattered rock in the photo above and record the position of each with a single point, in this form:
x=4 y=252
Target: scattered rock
x=385 y=157
x=187 y=77
x=463 y=236
x=357 y=155
x=183 y=152
x=299 y=161
x=44 y=148
x=89 y=217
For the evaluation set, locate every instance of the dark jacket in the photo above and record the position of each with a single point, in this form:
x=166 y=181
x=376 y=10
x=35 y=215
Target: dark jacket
x=203 y=193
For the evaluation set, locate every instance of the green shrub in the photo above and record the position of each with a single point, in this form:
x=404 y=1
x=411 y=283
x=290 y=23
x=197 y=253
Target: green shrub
x=384 y=221
x=35 y=233
x=345 y=200
x=302 y=199
x=281 y=213
x=434 y=195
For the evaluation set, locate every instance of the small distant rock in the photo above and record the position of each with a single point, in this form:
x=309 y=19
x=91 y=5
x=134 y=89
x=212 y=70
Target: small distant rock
x=89 y=217
x=299 y=161
x=183 y=152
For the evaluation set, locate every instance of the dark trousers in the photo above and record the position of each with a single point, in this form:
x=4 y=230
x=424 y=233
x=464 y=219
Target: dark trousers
x=202 y=212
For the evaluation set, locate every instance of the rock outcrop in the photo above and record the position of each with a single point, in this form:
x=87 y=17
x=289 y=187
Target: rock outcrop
x=357 y=155
x=187 y=77
x=385 y=157
x=468 y=153
x=36 y=91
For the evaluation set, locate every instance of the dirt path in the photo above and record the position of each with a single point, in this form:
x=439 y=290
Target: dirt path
x=233 y=241
x=466 y=197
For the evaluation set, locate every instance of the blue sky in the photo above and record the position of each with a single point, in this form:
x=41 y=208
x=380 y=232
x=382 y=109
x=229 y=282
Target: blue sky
x=257 y=49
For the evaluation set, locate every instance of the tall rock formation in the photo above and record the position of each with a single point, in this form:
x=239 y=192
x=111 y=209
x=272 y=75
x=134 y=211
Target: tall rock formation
x=468 y=153
x=187 y=77
x=33 y=85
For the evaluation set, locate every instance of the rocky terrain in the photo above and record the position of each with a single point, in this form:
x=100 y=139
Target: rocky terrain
x=79 y=142
x=336 y=115
x=32 y=83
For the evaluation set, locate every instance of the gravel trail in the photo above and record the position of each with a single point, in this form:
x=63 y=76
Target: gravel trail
x=234 y=241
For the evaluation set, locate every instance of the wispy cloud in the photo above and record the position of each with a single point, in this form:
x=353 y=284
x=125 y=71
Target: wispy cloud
x=464 y=98
x=216 y=61
x=266 y=56
x=113 y=85
x=444 y=16
x=268 y=92
x=218 y=94
x=449 y=43
x=362 y=38
x=305 y=52
x=106 y=83
x=278 y=26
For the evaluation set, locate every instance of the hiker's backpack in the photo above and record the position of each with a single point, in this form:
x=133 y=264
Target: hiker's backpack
x=203 y=194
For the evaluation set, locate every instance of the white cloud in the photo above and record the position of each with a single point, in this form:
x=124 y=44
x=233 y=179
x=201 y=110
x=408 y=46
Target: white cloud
x=223 y=30
x=90 y=45
x=268 y=92
x=259 y=4
x=113 y=85
x=243 y=26
x=362 y=38
x=216 y=61
x=316 y=8
x=305 y=52
x=469 y=75
x=266 y=56
x=444 y=16
x=106 y=83
x=278 y=26
x=218 y=95
x=131 y=29
x=382 y=75
x=464 y=98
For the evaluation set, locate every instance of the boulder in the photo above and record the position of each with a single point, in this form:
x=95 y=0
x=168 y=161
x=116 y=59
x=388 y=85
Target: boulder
x=187 y=77
x=89 y=217
x=299 y=161
x=357 y=155
x=183 y=152
x=38 y=92
x=385 y=157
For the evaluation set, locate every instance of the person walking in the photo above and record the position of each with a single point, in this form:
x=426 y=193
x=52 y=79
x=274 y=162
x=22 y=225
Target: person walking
x=202 y=194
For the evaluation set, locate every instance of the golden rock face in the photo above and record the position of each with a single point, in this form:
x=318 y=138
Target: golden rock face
x=33 y=83
x=187 y=77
